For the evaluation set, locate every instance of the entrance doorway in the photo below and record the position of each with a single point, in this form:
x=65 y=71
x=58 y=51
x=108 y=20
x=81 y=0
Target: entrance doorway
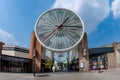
x=64 y=61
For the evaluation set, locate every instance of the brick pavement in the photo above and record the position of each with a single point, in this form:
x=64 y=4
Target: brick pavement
x=113 y=74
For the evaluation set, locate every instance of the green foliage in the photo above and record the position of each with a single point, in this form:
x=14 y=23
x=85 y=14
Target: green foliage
x=48 y=64
x=61 y=63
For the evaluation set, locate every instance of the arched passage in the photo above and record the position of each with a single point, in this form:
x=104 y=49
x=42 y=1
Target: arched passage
x=79 y=54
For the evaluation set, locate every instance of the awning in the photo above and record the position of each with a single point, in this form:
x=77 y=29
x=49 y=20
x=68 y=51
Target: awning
x=101 y=50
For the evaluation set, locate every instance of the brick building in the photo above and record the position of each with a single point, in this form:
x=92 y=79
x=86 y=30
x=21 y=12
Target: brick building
x=82 y=50
x=109 y=56
x=1 y=45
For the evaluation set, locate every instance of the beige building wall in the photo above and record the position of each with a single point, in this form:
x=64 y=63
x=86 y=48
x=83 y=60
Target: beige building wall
x=15 y=53
x=21 y=54
x=9 y=53
x=114 y=58
x=117 y=54
x=111 y=60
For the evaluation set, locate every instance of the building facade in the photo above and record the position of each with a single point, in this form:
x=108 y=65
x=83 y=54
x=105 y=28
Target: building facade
x=106 y=57
x=15 y=59
x=15 y=51
x=20 y=59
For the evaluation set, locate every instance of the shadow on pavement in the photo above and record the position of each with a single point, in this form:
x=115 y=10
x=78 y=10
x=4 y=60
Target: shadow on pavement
x=42 y=75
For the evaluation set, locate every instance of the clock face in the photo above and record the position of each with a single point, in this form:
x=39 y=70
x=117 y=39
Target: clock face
x=59 y=29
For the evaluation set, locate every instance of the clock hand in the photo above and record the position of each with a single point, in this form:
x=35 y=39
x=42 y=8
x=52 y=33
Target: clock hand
x=63 y=23
x=49 y=34
x=58 y=27
x=72 y=26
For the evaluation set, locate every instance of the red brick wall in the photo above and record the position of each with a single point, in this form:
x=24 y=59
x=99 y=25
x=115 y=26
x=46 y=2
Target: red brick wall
x=38 y=56
x=84 y=58
x=1 y=46
x=34 y=44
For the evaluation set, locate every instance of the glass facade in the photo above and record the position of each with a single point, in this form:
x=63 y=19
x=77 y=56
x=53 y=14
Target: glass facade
x=15 y=64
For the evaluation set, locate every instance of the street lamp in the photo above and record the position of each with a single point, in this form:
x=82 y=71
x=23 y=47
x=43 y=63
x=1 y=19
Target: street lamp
x=68 y=63
x=34 y=65
x=99 y=64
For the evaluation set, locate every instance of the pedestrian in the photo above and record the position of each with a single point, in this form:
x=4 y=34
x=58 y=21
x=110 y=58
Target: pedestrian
x=53 y=68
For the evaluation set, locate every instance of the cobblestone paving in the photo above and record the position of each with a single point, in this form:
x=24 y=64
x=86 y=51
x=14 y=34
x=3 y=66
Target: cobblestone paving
x=113 y=74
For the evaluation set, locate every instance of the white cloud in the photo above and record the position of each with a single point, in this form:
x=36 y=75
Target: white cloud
x=116 y=8
x=92 y=11
x=7 y=38
x=118 y=24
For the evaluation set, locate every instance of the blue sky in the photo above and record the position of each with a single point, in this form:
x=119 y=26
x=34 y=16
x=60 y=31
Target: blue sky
x=101 y=19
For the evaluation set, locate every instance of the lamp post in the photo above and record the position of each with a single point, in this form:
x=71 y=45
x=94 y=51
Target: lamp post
x=34 y=65
x=0 y=63
x=68 y=63
x=99 y=64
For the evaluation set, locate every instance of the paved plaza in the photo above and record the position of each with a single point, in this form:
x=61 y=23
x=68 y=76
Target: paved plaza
x=113 y=74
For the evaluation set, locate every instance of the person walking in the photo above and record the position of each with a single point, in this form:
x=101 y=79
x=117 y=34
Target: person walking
x=53 y=68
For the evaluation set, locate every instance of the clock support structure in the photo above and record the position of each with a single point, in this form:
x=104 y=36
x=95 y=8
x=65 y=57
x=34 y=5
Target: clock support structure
x=83 y=54
x=35 y=53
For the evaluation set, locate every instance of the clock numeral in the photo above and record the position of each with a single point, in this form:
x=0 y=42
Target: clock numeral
x=70 y=37
x=74 y=36
x=76 y=20
x=41 y=36
x=43 y=19
x=49 y=19
x=59 y=46
x=60 y=12
x=45 y=22
x=51 y=14
x=48 y=43
x=73 y=29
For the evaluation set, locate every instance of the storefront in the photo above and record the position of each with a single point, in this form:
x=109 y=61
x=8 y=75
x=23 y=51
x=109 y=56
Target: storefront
x=74 y=65
x=98 y=61
x=99 y=58
x=15 y=64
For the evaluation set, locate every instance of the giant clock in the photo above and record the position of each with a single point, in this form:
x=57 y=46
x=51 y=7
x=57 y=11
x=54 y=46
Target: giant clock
x=59 y=29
